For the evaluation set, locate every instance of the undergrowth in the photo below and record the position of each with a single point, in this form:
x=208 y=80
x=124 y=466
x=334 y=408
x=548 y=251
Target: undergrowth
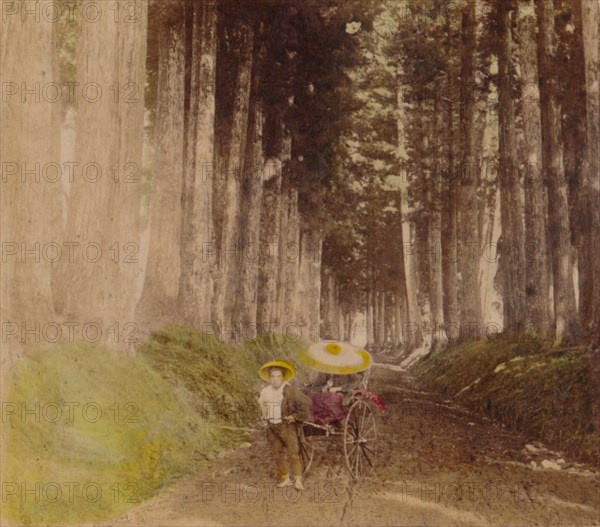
x=90 y=431
x=547 y=394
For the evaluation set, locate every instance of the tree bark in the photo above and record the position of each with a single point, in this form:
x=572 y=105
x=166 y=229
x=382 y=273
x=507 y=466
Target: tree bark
x=400 y=290
x=30 y=200
x=249 y=227
x=566 y=319
x=329 y=307
x=268 y=315
x=450 y=235
x=369 y=318
x=512 y=248
x=413 y=328
x=309 y=283
x=107 y=281
x=591 y=175
x=412 y=323
x=434 y=230
x=131 y=56
x=231 y=251
x=161 y=282
x=537 y=282
x=469 y=254
x=381 y=322
x=195 y=283
x=289 y=259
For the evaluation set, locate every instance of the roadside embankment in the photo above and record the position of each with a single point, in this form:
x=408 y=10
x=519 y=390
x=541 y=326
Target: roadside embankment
x=92 y=432
x=546 y=393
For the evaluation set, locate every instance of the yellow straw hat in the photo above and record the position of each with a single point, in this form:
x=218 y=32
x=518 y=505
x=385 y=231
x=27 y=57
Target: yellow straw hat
x=288 y=369
x=336 y=358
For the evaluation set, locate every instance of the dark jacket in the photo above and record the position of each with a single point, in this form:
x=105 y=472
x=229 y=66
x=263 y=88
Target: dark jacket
x=295 y=403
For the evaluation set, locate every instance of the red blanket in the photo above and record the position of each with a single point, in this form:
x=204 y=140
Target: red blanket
x=327 y=407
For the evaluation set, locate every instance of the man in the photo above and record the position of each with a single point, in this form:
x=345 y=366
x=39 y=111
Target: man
x=283 y=406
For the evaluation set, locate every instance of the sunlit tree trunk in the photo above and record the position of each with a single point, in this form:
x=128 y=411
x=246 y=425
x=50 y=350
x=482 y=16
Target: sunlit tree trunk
x=30 y=201
x=411 y=325
x=105 y=214
x=158 y=302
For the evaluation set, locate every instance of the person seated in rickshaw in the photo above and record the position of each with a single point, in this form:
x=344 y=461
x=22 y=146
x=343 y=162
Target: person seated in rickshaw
x=337 y=371
x=327 y=382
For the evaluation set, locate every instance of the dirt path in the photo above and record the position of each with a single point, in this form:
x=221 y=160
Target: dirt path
x=438 y=464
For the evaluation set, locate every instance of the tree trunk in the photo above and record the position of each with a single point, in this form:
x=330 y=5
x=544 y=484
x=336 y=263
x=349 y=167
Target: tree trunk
x=489 y=268
x=268 y=315
x=481 y=120
x=369 y=318
x=30 y=200
x=537 y=280
x=412 y=326
x=469 y=254
x=382 y=327
x=400 y=290
x=110 y=138
x=591 y=175
x=512 y=249
x=435 y=273
x=231 y=252
x=195 y=284
x=436 y=291
x=566 y=320
x=339 y=330
x=309 y=283
x=131 y=57
x=289 y=259
x=329 y=307
x=161 y=282
x=348 y=326
x=400 y=314
x=376 y=337
x=449 y=235
x=249 y=226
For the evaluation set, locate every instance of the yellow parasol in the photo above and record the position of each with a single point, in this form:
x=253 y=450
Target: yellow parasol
x=336 y=358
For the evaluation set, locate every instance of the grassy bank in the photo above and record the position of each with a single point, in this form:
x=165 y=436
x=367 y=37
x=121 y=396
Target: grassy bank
x=545 y=393
x=90 y=432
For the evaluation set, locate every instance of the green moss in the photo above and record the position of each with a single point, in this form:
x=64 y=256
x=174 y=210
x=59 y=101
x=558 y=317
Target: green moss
x=222 y=378
x=148 y=419
x=87 y=415
x=525 y=385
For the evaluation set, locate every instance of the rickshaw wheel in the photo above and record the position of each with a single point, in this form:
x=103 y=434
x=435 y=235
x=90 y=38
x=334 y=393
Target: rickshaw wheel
x=360 y=436
x=307 y=451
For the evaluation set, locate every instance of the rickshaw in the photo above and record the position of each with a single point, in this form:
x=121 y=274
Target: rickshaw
x=341 y=413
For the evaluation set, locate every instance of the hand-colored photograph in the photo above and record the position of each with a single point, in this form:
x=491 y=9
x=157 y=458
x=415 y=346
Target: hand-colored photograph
x=299 y=263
